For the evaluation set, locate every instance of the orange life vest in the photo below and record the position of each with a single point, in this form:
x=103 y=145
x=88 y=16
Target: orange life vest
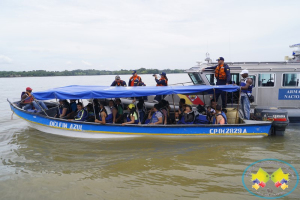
x=220 y=72
x=134 y=79
x=28 y=99
x=119 y=82
x=163 y=78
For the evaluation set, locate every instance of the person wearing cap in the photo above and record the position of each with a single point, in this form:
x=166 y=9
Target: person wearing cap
x=118 y=82
x=246 y=89
x=132 y=117
x=163 y=81
x=28 y=102
x=222 y=74
x=135 y=79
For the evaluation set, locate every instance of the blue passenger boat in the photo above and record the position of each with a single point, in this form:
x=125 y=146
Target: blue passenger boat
x=43 y=120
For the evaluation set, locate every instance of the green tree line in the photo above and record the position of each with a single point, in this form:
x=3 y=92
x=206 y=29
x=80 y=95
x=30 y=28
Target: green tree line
x=79 y=72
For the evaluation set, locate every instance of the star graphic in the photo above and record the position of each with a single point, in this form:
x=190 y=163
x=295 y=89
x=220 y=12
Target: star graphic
x=277 y=184
x=256 y=181
x=262 y=184
x=255 y=186
x=284 y=186
x=283 y=181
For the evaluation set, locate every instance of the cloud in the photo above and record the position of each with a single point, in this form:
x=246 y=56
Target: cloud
x=69 y=63
x=5 y=60
x=86 y=63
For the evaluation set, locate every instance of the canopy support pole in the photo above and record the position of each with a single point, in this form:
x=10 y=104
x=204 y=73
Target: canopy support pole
x=203 y=98
x=40 y=106
x=238 y=107
x=173 y=103
x=94 y=109
x=215 y=96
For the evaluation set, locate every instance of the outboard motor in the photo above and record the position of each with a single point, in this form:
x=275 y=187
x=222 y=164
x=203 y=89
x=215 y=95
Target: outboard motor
x=279 y=118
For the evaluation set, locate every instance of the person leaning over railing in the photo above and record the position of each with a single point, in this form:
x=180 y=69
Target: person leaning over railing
x=163 y=81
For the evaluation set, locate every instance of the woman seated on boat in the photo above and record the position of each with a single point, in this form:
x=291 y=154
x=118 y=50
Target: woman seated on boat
x=118 y=117
x=157 y=116
x=81 y=113
x=91 y=113
x=176 y=118
x=132 y=117
x=220 y=117
x=164 y=108
x=63 y=109
x=188 y=116
x=104 y=117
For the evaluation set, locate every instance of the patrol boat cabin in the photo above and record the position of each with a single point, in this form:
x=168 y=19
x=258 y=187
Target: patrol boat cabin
x=275 y=84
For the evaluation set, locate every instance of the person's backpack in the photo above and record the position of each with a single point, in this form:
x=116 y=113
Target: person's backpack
x=201 y=119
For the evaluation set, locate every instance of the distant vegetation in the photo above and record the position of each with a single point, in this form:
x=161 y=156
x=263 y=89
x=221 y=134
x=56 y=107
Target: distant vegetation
x=88 y=72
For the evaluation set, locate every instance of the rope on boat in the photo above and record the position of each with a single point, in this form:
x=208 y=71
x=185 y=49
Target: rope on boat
x=12 y=114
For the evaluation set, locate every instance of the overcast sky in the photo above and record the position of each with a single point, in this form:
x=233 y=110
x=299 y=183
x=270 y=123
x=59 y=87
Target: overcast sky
x=129 y=34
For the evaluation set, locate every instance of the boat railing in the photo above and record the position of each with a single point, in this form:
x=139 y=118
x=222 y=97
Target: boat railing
x=181 y=83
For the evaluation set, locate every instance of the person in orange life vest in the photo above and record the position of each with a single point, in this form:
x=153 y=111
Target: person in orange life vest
x=118 y=82
x=28 y=102
x=163 y=81
x=222 y=74
x=135 y=79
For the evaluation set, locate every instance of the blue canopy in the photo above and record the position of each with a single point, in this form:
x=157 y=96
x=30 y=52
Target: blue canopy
x=101 y=92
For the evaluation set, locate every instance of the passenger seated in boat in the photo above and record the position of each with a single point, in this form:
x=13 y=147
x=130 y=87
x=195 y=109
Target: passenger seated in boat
x=188 y=116
x=91 y=114
x=142 y=110
x=181 y=103
x=104 y=117
x=183 y=109
x=220 y=116
x=82 y=114
x=157 y=116
x=28 y=102
x=176 y=118
x=73 y=109
x=118 y=118
x=164 y=108
x=63 y=108
x=132 y=117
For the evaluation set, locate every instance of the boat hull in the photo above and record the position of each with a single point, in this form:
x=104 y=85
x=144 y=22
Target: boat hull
x=93 y=130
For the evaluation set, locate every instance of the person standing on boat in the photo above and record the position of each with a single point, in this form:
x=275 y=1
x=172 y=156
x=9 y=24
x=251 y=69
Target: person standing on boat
x=222 y=74
x=118 y=82
x=246 y=87
x=28 y=101
x=135 y=79
x=163 y=81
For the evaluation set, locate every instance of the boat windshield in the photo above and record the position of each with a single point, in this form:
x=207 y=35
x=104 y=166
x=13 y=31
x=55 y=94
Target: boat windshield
x=197 y=80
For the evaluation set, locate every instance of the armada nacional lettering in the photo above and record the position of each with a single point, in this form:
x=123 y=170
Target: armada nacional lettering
x=65 y=125
x=226 y=130
x=289 y=94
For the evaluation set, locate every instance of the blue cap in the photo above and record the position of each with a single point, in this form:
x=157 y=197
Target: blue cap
x=163 y=73
x=133 y=71
x=220 y=58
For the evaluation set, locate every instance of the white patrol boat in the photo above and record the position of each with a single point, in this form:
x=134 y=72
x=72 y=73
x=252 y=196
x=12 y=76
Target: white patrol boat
x=275 y=85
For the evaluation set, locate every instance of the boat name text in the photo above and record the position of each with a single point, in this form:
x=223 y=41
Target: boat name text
x=65 y=125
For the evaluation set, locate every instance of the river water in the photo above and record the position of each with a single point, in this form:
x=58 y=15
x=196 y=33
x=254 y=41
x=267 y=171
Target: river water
x=35 y=165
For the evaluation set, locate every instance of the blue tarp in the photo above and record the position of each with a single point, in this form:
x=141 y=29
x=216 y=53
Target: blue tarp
x=101 y=92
